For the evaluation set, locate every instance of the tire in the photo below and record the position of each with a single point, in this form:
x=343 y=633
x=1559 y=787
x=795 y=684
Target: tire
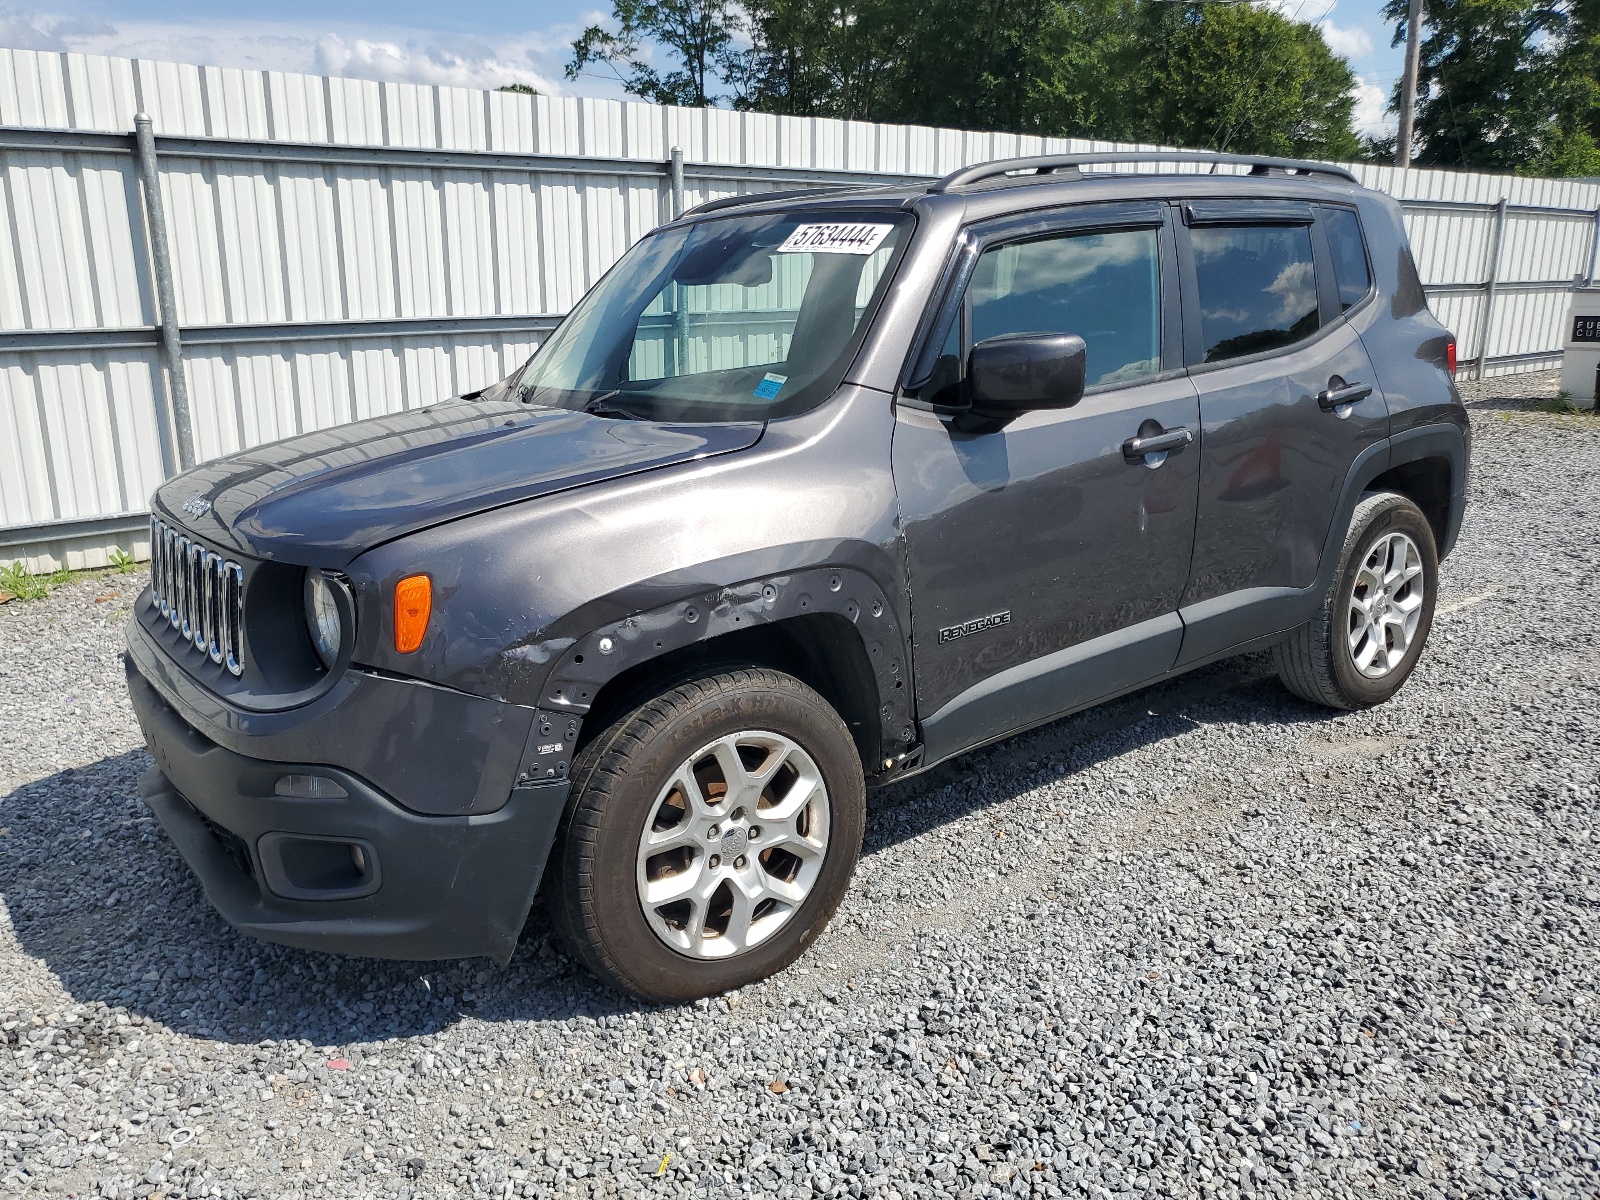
x=1318 y=661
x=662 y=764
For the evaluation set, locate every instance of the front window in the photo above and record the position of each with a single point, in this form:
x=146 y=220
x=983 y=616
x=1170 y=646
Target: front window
x=733 y=319
x=1104 y=287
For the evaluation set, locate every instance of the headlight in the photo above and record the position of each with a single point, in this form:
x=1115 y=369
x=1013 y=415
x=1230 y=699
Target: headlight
x=323 y=620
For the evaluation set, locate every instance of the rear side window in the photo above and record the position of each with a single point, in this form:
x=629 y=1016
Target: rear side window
x=1350 y=268
x=1258 y=288
x=1104 y=287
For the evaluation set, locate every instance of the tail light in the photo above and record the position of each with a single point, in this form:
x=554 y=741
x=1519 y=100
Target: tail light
x=413 y=605
x=1450 y=356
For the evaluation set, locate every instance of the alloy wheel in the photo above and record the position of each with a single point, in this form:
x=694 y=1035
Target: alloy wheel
x=733 y=844
x=1386 y=605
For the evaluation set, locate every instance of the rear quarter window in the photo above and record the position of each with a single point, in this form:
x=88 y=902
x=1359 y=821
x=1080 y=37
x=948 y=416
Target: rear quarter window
x=1350 y=268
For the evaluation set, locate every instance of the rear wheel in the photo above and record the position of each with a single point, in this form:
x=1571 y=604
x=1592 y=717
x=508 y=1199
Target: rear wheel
x=711 y=834
x=1365 y=642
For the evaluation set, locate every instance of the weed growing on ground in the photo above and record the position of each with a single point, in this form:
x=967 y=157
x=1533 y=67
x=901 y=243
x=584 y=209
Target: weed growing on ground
x=19 y=582
x=1561 y=403
x=123 y=562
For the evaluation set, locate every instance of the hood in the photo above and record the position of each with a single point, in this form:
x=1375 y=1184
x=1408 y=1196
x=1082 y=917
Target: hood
x=322 y=498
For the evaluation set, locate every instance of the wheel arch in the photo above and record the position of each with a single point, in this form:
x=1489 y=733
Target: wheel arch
x=1426 y=482
x=821 y=650
x=1428 y=466
x=831 y=627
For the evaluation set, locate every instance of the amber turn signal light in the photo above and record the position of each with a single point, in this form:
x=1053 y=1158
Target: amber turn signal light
x=413 y=605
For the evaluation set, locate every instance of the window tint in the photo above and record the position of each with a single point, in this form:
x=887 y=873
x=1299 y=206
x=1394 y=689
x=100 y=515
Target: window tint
x=1104 y=287
x=1258 y=287
x=1350 y=268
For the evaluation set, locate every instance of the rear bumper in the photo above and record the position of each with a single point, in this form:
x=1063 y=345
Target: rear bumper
x=425 y=887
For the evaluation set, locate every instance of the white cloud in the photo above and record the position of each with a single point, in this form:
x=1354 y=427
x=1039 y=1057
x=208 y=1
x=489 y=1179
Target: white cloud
x=1371 y=117
x=1354 y=42
x=25 y=31
x=400 y=54
x=412 y=62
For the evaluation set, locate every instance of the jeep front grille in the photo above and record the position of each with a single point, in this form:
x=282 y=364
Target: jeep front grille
x=200 y=593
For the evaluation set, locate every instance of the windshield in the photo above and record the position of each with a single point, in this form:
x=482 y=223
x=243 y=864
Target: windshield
x=737 y=319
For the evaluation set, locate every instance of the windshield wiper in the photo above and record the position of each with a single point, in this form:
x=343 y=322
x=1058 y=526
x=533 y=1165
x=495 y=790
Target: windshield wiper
x=601 y=406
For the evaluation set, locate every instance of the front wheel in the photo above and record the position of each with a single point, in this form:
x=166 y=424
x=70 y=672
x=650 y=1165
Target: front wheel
x=1375 y=617
x=711 y=834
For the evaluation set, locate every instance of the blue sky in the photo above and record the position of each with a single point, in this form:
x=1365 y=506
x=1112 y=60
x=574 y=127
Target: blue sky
x=484 y=44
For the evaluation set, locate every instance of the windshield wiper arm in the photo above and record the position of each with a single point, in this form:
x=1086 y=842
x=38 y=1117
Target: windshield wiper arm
x=601 y=406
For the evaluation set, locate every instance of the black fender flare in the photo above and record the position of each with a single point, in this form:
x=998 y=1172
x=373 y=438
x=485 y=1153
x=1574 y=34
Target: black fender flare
x=1411 y=445
x=1451 y=443
x=588 y=662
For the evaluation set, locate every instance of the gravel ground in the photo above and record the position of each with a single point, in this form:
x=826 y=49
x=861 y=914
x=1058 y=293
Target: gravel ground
x=1207 y=940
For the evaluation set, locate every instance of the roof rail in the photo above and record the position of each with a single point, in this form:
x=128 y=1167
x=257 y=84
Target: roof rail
x=1070 y=165
x=763 y=197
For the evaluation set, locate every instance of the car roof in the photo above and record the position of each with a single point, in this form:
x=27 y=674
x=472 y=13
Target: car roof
x=1018 y=185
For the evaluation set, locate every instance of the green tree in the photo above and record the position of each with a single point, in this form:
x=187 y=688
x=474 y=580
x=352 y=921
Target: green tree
x=1479 y=82
x=695 y=32
x=819 y=60
x=972 y=64
x=1567 y=152
x=1082 y=85
x=1233 y=77
x=975 y=64
x=1508 y=85
x=1573 y=147
x=1236 y=77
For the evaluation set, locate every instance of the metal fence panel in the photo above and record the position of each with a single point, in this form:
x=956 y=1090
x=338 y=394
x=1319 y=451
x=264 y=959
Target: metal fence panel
x=344 y=248
x=1463 y=312
x=25 y=497
x=1451 y=246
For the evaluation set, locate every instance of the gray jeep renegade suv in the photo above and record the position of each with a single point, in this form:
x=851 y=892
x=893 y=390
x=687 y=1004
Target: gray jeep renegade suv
x=811 y=492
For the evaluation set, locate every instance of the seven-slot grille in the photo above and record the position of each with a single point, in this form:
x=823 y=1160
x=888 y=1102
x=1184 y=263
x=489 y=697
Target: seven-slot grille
x=200 y=592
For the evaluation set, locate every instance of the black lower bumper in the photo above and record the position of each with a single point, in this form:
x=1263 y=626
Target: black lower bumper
x=422 y=887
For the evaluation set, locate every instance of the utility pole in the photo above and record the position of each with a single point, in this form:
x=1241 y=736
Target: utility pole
x=1408 y=89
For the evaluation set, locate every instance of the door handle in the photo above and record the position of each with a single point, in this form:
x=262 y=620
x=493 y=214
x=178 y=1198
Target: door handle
x=1169 y=442
x=1341 y=395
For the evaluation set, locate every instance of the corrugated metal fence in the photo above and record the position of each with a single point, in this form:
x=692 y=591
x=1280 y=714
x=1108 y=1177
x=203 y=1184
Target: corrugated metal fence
x=342 y=248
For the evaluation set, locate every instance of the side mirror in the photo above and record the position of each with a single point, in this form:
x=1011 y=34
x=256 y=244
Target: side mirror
x=1018 y=372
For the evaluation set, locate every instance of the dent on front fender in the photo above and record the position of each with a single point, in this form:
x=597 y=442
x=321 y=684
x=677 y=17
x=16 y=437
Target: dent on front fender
x=517 y=590
x=588 y=662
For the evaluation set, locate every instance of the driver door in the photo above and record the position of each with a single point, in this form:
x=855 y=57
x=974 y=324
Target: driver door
x=1047 y=558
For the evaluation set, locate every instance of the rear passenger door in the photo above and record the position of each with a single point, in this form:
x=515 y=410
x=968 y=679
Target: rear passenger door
x=1288 y=401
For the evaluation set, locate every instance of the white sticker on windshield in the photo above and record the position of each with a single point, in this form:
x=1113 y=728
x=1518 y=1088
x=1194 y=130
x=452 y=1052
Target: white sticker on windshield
x=850 y=238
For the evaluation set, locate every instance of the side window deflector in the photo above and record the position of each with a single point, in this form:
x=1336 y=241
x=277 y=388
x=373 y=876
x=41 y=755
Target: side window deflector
x=1246 y=212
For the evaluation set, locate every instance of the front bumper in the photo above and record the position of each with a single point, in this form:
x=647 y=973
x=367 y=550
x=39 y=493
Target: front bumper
x=429 y=887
